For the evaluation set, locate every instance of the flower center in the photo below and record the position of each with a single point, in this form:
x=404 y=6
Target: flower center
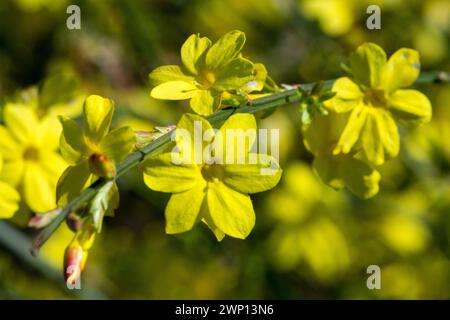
x=206 y=79
x=213 y=172
x=31 y=154
x=375 y=98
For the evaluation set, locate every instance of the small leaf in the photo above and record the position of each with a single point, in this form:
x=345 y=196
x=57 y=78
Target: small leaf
x=306 y=116
x=103 y=201
x=317 y=88
x=326 y=96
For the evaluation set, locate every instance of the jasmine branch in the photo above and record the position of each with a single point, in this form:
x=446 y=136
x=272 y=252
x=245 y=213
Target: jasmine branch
x=269 y=102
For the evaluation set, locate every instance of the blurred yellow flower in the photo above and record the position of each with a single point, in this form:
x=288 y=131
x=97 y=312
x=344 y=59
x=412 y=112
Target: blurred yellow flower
x=343 y=170
x=31 y=162
x=335 y=17
x=404 y=233
x=375 y=98
x=9 y=197
x=306 y=234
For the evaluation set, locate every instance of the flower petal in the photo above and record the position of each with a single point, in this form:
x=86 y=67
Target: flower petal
x=9 y=200
x=21 y=122
x=72 y=144
x=161 y=174
x=53 y=164
x=98 y=113
x=39 y=191
x=401 y=70
x=379 y=137
x=204 y=103
x=168 y=73
x=237 y=136
x=346 y=171
x=260 y=76
x=352 y=130
x=189 y=135
x=367 y=63
x=322 y=134
x=231 y=211
x=182 y=210
x=48 y=133
x=174 y=90
x=360 y=178
x=410 y=106
x=206 y=219
x=193 y=50
x=253 y=178
x=74 y=180
x=225 y=49
x=118 y=143
x=12 y=172
x=10 y=148
x=236 y=75
x=348 y=95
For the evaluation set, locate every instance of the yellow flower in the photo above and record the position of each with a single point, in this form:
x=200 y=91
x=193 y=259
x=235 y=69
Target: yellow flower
x=76 y=254
x=376 y=99
x=335 y=17
x=92 y=151
x=342 y=170
x=306 y=237
x=57 y=95
x=9 y=197
x=31 y=161
x=211 y=191
x=209 y=71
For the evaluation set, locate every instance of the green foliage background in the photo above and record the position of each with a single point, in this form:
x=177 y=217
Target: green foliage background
x=309 y=241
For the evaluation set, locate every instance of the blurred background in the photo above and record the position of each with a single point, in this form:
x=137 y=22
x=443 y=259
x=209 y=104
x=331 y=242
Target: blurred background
x=309 y=241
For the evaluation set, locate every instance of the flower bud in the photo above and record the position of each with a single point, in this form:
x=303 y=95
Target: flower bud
x=42 y=219
x=74 y=222
x=101 y=166
x=74 y=262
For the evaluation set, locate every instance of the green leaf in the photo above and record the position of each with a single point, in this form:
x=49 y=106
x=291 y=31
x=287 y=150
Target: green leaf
x=106 y=199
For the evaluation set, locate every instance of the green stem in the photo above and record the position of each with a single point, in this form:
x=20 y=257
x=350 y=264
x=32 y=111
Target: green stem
x=269 y=102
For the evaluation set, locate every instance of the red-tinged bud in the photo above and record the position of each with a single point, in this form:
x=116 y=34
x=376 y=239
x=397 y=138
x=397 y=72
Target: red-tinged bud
x=42 y=219
x=74 y=222
x=101 y=166
x=74 y=262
